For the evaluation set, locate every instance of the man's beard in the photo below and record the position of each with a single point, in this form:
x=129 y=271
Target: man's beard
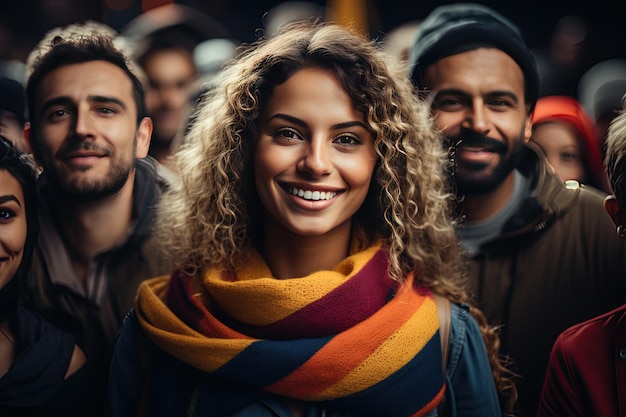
x=479 y=179
x=79 y=189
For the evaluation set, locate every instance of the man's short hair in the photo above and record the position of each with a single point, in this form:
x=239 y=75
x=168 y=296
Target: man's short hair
x=74 y=44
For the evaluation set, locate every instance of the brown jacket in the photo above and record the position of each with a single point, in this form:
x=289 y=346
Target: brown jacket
x=558 y=262
x=93 y=310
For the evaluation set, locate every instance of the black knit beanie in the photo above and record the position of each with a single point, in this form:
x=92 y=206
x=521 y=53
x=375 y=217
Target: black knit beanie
x=461 y=27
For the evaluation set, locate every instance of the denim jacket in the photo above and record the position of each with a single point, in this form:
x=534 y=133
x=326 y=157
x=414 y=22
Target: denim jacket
x=470 y=389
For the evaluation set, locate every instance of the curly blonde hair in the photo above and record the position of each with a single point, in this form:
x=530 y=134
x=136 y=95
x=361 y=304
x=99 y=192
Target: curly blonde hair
x=214 y=214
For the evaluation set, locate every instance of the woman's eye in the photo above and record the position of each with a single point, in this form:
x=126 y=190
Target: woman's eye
x=347 y=139
x=569 y=156
x=287 y=134
x=6 y=214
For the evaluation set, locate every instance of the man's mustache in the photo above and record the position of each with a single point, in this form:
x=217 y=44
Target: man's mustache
x=72 y=147
x=472 y=140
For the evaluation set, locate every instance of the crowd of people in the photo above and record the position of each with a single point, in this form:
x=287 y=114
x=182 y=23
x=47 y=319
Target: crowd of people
x=320 y=225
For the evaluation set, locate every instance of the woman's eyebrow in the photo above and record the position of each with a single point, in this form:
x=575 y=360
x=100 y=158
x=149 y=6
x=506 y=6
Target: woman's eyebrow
x=9 y=197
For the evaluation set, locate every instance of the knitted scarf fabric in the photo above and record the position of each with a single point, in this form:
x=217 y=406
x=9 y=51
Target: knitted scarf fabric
x=350 y=338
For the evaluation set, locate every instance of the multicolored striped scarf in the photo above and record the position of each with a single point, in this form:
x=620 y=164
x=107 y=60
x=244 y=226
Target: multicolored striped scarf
x=350 y=338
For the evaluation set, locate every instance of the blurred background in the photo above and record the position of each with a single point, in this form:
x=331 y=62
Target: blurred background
x=22 y=22
x=569 y=37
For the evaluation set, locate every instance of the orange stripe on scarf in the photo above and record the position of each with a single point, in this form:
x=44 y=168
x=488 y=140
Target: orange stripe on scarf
x=402 y=312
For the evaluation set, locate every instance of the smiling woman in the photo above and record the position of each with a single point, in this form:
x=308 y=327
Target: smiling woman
x=312 y=142
x=35 y=358
x=13 y=224
x=312 y=230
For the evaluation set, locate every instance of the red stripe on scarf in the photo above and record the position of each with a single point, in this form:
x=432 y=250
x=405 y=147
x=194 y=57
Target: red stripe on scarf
x=345 y=306
x=378 y=328
x=431 y=405
x=189 y=306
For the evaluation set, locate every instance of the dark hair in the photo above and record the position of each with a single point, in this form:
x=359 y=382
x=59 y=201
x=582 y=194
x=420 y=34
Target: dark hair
x=164 y=41
x=74 y=45
x=21 y=167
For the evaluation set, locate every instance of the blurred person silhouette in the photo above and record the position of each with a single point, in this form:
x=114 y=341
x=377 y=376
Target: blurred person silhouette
x=38 y=362
x=97 y=194
x=291 y=11
x=210 y=56
x=586 y=375
x=562 y=128
x=312 y=228
x=600 y=91
x=13 y=112
x=565 y=58
x=541 y=255
x=399 y=41
x=165 y=39
x=170 y=69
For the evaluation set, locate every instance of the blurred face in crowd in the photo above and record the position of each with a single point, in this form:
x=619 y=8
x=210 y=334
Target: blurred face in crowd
x=477 y=98
x=314 y=157
x=563 y=149
x=169 y=74
x=86 y=137
x=12 y=226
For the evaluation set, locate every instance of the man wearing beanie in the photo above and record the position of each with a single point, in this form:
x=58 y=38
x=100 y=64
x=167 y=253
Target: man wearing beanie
x=542 y=256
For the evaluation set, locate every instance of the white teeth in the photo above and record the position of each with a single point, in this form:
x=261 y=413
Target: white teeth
x=312 y=195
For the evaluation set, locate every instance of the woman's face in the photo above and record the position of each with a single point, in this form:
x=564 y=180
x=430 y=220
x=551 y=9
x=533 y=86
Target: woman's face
x=562 y=147
x=314 y=157
x=12 y=226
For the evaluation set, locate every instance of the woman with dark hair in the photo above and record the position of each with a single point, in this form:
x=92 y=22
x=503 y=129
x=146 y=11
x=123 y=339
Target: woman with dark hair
x=35 y=358
x=313 y=232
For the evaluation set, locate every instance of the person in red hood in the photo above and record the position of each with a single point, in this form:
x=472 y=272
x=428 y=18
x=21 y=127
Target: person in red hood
x=566 y=133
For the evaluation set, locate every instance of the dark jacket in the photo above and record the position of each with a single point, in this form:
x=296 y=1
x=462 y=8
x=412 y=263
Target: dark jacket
x=35 y=383
x=587 y=373
x=93 y=310
x=557 y=263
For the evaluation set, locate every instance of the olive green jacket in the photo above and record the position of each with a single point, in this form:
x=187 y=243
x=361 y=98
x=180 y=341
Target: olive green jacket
x=557 y=262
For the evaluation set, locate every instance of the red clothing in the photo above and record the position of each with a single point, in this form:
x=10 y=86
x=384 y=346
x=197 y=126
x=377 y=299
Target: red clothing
x=569 y=110
x=587 y=371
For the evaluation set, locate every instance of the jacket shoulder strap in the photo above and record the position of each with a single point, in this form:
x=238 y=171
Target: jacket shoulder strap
x=444 y=312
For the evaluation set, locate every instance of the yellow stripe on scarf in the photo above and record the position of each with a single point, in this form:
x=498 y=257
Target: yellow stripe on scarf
x=389 y=357
x=262 y=300
x=176 y=337
x=361 y=363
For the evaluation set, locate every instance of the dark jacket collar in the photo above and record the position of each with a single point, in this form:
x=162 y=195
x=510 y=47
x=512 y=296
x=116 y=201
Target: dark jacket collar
x=548 y=198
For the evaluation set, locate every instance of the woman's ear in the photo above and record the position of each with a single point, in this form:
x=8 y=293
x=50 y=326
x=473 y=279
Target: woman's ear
x=616 y=213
